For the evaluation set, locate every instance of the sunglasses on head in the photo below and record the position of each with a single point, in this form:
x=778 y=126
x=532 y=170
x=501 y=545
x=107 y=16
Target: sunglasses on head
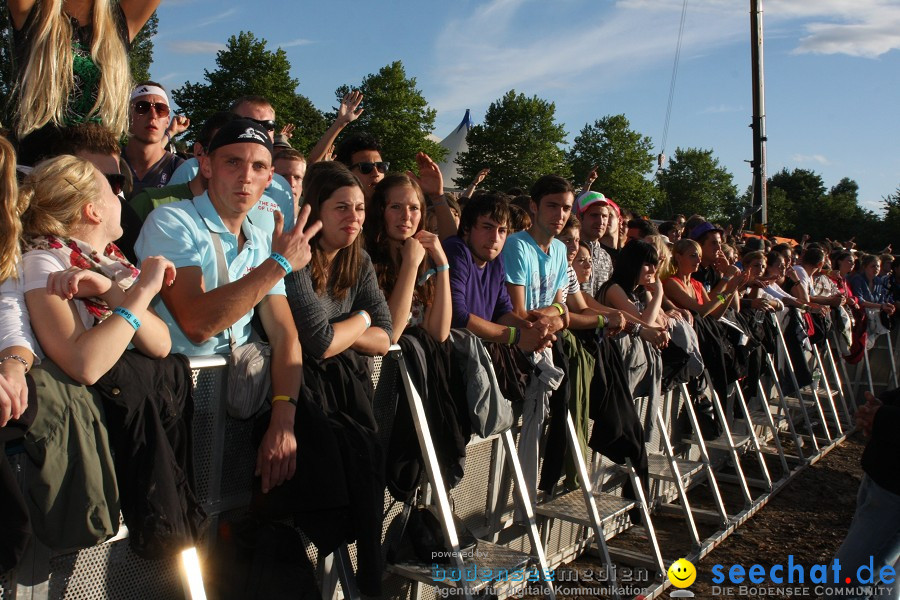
x=142 y=107
x=366 y=167
x=116 y=182
x=268 y=124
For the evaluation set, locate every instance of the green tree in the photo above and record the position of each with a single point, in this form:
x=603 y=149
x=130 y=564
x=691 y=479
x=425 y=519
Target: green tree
x=891 y=225
x=246 y=67
x=623 y=158
x=141 y=56
x=519 y=141
x=695 y=182
x=397 y=114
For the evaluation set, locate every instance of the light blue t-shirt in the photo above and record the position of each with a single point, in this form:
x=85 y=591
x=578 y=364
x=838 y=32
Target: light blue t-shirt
x=540 y=273
x=181 y=232
x=278 y=196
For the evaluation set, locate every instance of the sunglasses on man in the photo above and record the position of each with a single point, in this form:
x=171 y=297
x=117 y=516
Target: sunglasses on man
x=267 y=124
x=366 y=167
x=142 y=107
x=116 y=182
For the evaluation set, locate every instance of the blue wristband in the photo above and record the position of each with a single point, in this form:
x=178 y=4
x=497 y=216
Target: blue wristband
x=442 y=268
x=282 y=262
x=128 y=316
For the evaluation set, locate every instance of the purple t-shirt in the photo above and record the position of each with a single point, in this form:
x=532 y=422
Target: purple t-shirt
x=473 y=290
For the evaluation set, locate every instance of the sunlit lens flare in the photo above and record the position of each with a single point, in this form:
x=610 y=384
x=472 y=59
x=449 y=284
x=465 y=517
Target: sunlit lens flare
x=190 y=565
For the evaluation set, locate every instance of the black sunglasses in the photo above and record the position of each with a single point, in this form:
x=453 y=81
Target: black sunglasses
x=366 y=167
x=116 y=182
x=268 y=124
x=142 y=107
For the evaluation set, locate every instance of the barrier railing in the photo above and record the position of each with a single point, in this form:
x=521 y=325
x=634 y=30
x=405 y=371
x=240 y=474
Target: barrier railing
x=224 y=460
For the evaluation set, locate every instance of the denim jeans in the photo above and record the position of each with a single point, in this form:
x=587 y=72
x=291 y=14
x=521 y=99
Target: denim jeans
x=874 y=534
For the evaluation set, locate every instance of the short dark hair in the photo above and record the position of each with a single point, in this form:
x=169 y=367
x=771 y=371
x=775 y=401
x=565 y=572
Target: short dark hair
x=356 y=142
x=214 y=123
x=491 y=205
x=667 y=227
x=519 y=218
x=645 y=227
x=87 y=137
x=550 y=184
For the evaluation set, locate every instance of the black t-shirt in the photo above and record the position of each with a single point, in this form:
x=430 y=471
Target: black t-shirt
x=708 y=276
x=158 y=176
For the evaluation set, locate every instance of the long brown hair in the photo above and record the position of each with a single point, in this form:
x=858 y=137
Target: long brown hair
x=385 y=256
x=322 y=179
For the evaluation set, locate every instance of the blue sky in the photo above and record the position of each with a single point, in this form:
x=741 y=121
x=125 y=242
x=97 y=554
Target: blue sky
x=832 y=67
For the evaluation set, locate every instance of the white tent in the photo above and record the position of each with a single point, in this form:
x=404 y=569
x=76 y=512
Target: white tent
x=455 y=143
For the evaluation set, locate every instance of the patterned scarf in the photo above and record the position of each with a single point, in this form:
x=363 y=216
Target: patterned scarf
x=75 y=253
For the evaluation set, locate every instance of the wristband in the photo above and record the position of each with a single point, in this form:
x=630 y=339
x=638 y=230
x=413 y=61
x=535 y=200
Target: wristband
x=282 y=262
x=16 y=358
x=442 y=268
x=366 y=318
x=559 y=307
x=128 y=316
x=518 y=337
x=637 y=329
x=284 y=399
x=722 y=298
x=513 y=336
x=601 y=322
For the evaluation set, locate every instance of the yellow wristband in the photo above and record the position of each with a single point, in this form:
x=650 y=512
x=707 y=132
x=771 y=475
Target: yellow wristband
x=559 y=307
x=283 y=399
x=601 y=322
x=512 y=336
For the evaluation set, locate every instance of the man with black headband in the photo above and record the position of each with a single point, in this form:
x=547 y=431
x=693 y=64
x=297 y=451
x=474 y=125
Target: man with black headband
x=151 y=164
x=278 y=195
x=200 y=307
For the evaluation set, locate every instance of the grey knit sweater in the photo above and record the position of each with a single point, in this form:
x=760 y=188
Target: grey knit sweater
x=314 y=314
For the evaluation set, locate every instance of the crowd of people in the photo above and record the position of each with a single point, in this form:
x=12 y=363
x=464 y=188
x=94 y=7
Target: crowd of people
x=119 y=262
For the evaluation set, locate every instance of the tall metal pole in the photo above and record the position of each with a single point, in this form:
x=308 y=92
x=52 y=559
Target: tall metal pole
x=759 y=109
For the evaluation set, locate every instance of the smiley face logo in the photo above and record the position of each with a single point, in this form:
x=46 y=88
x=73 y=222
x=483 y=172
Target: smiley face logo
x=682 y=573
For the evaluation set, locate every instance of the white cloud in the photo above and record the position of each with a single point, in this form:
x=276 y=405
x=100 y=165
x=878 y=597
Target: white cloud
x=810 y=158
x=863 y=28
x=485 y=54
x=169 y=76
x=219 y=17
x=297 y=42
x=195 y=47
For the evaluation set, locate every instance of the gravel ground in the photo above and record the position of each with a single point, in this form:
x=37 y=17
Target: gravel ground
x=808 y=519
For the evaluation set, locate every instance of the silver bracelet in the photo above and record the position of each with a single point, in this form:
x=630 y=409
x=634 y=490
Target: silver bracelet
x=15 y=357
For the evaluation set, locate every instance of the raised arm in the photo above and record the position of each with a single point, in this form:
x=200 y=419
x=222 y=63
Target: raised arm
x=348 y=112
x=479 y=177
x=18 y=11
x=440 y=312
x=137 y=13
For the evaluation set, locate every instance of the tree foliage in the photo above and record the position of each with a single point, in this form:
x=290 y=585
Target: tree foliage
x=519 y=141
x=623 y=158
x=247 y=67
x=141 y=56
x=396 y=113
x=695 y=182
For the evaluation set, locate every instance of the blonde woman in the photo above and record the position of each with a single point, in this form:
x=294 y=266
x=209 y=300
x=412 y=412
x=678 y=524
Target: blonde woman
x=94 y=307
x=71 y=59
x=686 y=292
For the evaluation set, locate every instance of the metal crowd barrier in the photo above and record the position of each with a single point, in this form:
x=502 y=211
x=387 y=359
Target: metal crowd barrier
x=486 y=496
